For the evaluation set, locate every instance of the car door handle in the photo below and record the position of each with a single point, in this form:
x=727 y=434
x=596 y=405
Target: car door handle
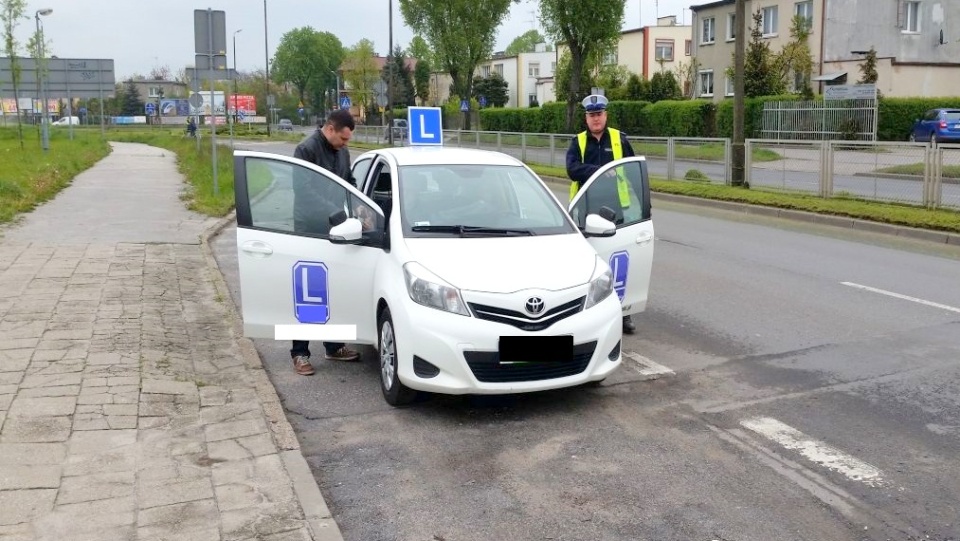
x=256 y=248
x=644 y=238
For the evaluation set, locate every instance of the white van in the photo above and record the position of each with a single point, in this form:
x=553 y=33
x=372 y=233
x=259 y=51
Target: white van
x=67 y=120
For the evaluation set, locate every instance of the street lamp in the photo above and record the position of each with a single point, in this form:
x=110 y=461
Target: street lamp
x=235 y=91
x=45 y=137
x=266 y=59
x=336 y=100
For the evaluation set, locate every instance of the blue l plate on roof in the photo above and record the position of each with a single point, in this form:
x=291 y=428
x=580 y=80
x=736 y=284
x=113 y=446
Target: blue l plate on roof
x=425 y=125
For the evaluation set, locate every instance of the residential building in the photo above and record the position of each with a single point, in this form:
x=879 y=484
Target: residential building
x=912 y=61
x=912 y=57
x=714 y=37
x=643 y=50
x=529 y=76
x=508 y=68
x=150 y=89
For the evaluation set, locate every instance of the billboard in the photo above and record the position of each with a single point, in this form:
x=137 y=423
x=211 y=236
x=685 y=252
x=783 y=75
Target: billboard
x=204 y=109
x=247 y=104
x=175 y=107
x=8 y=106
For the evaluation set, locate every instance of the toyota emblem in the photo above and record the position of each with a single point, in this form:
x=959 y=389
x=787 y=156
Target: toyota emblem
x=534 y=305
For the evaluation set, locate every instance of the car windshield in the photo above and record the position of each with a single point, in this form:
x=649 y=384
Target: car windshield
x=477 y=200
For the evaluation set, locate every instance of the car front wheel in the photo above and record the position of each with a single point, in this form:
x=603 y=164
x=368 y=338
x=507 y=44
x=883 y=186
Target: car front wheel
x=394 y=392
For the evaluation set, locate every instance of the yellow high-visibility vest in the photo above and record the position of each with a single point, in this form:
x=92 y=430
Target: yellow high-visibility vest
x=622 y=188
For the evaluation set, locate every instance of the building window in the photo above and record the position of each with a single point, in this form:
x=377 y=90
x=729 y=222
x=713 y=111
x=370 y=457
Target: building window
x=664 y=50
x=706 y=83
x=610 y=59
x=533 y=69
x=805 y=10
x=913 y=17
x=498 y=69
x=770 y=21
x=709 y=31
x=688 y=47
x=731 y=26
x=531 y=100
x=553 y=68
x=153 y=92
x=730 y=86
x=485 y=71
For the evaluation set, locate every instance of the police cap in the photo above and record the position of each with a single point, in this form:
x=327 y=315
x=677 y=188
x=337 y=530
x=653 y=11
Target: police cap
x=595 y=102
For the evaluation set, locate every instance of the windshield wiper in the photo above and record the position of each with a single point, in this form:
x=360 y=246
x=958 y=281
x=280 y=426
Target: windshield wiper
x=463 y=230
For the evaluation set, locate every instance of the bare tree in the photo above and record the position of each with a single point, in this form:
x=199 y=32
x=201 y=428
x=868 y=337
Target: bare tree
x=161 y=73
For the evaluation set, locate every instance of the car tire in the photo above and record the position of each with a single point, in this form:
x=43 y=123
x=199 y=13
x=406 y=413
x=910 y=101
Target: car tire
x=394 y=392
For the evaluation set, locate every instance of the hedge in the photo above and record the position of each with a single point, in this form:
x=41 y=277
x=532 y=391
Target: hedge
x=897 y=115
x=752 y=118
x=552 y=118
x=680 y=118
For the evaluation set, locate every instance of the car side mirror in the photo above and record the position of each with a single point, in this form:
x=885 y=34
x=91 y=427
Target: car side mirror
x=598 y=226
x=608 y=213
x=338 y=218
x=348 y=232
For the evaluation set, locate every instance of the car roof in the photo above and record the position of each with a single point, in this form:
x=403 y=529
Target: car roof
x=439 y=155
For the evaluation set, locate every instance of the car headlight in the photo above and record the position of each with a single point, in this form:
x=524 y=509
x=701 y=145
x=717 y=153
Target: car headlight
x=430 y=290
x=601 y=284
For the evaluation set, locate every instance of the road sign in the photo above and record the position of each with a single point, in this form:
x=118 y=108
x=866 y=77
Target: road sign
x=619 y=264
x=345 y=102
x=381 y=100
x=82 y=111
x=464 y=105
x=425 y=125
x=63 y=78
x=210 y=28
x=151 y=109
x=310 y=289
x=300 y=112
x=483 y=101
x=241 y=114
x=196 y=100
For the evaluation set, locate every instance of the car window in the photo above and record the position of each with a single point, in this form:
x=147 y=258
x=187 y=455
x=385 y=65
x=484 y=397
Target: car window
x=931 y=115
x=952 y=116
x=481 y=195
x=621 y=189
x=290 y=198
x=360 y=169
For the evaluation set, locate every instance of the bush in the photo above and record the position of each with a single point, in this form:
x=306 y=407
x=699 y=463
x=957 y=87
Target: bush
x=752 y=118
x=696 y=175
x=686 y=118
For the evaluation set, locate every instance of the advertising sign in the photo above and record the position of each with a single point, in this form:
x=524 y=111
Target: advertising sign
x=204 y=109
x=247 y=104
x=175 y=107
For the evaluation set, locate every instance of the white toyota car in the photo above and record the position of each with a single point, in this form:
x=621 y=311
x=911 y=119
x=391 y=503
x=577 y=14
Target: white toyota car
x=459 y=265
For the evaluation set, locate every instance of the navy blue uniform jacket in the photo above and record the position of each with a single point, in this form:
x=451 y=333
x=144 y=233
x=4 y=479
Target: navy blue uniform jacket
x=598 y=153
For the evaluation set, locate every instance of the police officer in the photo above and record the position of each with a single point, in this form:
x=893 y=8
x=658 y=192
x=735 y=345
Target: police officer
x=590 y=149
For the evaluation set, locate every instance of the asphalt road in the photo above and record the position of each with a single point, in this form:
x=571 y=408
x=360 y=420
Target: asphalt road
x=763 y=398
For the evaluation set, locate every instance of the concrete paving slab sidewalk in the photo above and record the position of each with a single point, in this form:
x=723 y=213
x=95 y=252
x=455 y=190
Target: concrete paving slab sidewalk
x=131 y=408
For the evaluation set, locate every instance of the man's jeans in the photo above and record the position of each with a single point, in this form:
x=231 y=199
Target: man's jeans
x=302 y=347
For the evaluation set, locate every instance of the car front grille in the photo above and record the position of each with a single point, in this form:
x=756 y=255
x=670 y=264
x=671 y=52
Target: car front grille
x=486 y=366
x=523 y=321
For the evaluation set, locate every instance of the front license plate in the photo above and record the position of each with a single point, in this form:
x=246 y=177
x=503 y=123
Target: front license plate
x=536 y=349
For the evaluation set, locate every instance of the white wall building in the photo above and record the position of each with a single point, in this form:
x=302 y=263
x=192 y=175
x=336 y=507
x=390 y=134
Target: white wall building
x=529 y=76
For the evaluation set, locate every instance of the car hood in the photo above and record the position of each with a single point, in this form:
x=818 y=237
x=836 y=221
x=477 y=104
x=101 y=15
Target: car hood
x=504 y=265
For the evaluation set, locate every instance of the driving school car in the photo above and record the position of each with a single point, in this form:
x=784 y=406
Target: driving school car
x=459 y=265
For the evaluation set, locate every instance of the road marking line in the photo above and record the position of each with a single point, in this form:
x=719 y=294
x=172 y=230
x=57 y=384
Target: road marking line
x=816 y=451
x=904 y=297
x=647 y=367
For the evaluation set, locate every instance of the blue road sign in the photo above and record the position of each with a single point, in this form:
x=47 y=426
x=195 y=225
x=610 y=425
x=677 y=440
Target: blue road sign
x=151 y=108
x=311 y=303
x=425 y=125
x=82 y=111
x=483 y=101
x=300 y=112
x=241 y=114
x=345 y=102
x=464 y=105
x=620 y=264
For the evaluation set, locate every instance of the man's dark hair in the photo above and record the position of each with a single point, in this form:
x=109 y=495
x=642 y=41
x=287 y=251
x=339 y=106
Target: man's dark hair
x=340 y=119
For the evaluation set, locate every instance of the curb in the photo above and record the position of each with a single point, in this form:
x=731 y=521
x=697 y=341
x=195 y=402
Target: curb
x=898 y=176
x=930 y=235
x=317 y=515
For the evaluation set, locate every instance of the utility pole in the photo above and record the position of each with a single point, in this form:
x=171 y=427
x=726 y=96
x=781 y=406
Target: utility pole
x=266 y=58
x=739 y=150
x=390 y=61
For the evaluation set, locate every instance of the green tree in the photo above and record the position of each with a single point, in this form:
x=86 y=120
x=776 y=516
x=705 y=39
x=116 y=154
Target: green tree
x=404 y=93
x=360 y=73
x=663 y=86
x=11 y=12
x=795 y=59
x=686 y=75
x=561 y=78
x=868 y=70
x=613 y=79
x=307 y=59
x=460 y=33
x=582 y=27
x=493 y=88
x=637 y=87
x=421 y=80
x=524 y=43
x=420 y=49
x=760 y=74
x=131 y=105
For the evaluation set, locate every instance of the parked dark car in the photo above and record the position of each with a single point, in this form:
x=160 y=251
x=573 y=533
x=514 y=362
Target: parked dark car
x=937 y=126
x=399 y=129
x=285 y=125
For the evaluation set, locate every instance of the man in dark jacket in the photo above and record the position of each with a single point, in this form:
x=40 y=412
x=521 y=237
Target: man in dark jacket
x=596 y=146
x=314 y=202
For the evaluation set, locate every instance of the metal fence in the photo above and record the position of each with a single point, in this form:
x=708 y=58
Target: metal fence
x=820 y=120
x=915 y=174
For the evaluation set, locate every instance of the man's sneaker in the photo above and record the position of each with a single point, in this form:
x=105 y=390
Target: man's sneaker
x=344 y=354
x=628 y=326
x=301 y=363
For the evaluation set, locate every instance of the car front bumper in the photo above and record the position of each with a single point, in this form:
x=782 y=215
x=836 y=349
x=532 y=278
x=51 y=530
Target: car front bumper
x=464 y=351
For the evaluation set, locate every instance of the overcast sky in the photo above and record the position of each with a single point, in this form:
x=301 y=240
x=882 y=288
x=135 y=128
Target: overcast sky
x=139 y=35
